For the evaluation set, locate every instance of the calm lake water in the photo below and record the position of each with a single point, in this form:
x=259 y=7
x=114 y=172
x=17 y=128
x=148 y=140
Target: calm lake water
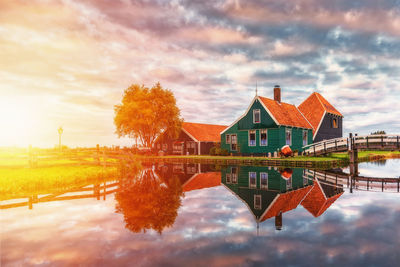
x=196 y=215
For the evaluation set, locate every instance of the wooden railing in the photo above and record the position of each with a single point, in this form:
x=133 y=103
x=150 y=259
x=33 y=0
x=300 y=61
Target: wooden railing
x=375 y=142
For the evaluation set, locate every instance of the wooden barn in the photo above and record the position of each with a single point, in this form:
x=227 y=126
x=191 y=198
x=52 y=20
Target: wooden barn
x=326 y=120
x=193 y=139
x=266 y=126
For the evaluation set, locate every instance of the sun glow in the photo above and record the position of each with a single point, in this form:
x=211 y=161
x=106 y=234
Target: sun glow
x=17 y=121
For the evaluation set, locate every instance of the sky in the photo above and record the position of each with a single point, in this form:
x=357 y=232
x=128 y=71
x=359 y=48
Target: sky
x=66 y=63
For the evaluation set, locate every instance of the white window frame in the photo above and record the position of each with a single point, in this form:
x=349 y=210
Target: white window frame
x=266 y=176
x=266 y=133
x=228 y=178
x=258 y=207
x=254 y=116
x=234 y=175
x=228 y=139
x=250 y=177
x=234 y=135
x=289 y=184
x=255 y=137
x=306 y=135
x=290 y=141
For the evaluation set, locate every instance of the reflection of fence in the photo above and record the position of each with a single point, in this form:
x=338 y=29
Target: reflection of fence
x=89 y=191
x=362 y=183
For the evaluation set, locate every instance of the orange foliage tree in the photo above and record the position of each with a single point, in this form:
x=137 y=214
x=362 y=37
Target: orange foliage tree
x=146 y=113
x=148 y=201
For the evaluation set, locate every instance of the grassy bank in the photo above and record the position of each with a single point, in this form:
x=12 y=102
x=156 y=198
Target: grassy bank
x=328 y=161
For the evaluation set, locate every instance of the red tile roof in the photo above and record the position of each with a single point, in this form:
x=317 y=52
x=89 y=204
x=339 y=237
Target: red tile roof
x=285 y=202
x=285 y=114
x=202 y=180
x=313 y=109
x=204 y=132
x=316 y=202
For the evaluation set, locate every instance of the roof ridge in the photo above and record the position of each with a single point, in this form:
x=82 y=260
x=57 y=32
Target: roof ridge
x=304 y=116
x=320 y=101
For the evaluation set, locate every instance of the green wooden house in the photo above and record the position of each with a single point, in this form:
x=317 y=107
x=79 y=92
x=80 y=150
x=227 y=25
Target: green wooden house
x=267 y=126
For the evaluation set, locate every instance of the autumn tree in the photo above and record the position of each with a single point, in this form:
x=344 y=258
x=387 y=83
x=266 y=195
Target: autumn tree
x=147 y=113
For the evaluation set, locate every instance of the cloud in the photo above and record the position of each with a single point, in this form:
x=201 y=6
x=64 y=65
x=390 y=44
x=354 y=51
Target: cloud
x=209 y=53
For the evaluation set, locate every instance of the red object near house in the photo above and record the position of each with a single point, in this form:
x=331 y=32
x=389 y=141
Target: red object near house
x=286 y=151
x=286 y=173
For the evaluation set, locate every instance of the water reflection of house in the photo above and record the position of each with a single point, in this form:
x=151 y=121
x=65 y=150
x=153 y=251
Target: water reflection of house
x=191 y=176
x=267 y=192
x=193 y=139
x=321 y=197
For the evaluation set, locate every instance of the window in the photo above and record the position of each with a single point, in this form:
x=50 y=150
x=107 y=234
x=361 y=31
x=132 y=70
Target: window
x=228 y=139
x=263 y=138
x=191 y=169
x=252 y=179
x=305 y=137
x=289 y=183
x=257 y=202
x=288 y=137
x=252 y=138
x=165 y=146
x=256 y=116
x=228 y=178
x=305 y=180
x=191 y=144
x=264 y=180
x=334 y=123
x=233 y=142
x=234 y=175
x=158 y=146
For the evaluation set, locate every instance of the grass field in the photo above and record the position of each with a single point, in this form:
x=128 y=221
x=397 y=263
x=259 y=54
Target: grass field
x=23 y=174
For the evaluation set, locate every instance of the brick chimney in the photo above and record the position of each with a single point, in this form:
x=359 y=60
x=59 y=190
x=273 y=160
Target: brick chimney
x=277 y=93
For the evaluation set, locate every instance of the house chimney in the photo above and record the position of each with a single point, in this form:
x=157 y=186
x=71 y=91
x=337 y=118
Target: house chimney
x=277 y=93
x=278 y=221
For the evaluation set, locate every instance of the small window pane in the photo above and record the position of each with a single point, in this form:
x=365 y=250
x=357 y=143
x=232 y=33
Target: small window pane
x=264 y=180
x=252 y=138
x=257 y=202
x=289 y=184
x=256 y=116
x=253 y=179
x=228 y=139
x=305 y=138
x=334 y=123
x=263 y=138
x=288 y=137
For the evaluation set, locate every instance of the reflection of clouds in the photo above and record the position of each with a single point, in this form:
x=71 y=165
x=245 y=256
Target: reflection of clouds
x=88 y=232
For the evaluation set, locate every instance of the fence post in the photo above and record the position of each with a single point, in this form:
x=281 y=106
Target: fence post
x=98 y=154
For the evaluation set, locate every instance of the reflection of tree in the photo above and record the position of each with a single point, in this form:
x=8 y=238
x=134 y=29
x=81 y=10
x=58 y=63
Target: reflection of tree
x=149 y=202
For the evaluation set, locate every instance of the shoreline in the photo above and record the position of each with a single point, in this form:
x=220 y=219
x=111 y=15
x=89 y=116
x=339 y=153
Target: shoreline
x=300 y=161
